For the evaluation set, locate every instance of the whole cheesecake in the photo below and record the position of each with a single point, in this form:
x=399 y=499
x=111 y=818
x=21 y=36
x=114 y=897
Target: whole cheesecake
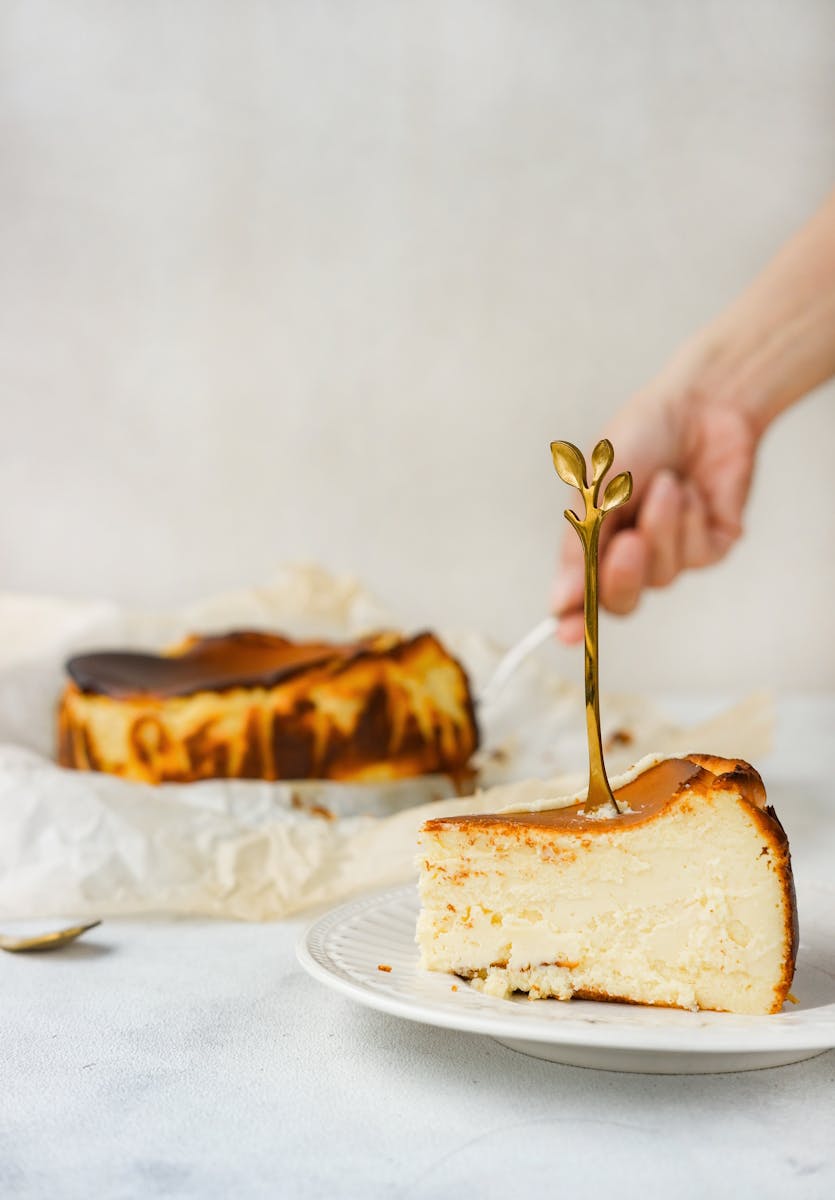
x=256 y=705
x=683 y=899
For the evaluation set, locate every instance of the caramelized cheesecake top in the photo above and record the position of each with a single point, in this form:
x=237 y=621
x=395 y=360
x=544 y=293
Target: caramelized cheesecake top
x=247 y=658
x=645 y=796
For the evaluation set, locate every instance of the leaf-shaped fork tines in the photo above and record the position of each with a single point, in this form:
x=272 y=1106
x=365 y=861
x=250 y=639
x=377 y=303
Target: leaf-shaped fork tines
x=602 y=457
x=569 y=464
x=571 y=468
x=618 y=491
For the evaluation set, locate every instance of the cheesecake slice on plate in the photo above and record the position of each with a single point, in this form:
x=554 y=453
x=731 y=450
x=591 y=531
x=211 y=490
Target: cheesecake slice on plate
x=682 y=899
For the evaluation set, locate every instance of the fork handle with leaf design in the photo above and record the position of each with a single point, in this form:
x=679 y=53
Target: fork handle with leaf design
x=571 y=468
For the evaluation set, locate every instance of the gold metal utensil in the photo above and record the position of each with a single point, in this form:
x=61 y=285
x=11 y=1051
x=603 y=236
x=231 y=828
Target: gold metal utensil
x=45 y=941
x=571 y=468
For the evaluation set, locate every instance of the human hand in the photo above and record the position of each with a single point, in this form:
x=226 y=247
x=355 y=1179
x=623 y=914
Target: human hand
x=690 y=438
x=691 y=454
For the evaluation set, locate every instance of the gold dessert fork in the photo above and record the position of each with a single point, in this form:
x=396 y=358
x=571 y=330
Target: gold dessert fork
x=45 y=941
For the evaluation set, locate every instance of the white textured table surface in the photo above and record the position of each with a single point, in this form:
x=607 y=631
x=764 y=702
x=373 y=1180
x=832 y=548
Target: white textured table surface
x=195 y=1059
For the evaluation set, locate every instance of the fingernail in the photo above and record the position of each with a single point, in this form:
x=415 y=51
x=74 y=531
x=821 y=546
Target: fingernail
x=570 y=630
x=567 y=591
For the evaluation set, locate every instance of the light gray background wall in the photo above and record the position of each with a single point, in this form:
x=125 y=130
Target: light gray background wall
x=322 y=280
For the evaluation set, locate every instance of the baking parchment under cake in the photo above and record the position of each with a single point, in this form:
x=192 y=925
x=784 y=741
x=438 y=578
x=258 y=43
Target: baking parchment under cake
x=84 y=843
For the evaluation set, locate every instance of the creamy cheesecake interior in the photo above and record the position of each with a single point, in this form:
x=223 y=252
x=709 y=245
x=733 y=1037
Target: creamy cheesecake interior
x=685 y=899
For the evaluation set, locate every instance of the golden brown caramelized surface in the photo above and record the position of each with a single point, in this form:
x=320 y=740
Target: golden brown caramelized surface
x=639 y=800
x=248 y=658
x=258 y=705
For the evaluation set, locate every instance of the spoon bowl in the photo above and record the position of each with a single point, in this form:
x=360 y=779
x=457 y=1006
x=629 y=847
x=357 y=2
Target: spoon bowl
x=52 y=940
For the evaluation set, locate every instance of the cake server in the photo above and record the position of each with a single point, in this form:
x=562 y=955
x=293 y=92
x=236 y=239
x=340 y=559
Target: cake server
x=543 y=631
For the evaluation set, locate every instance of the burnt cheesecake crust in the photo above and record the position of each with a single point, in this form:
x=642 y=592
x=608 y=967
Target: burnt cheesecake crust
x=685 y=899
x=256 y=705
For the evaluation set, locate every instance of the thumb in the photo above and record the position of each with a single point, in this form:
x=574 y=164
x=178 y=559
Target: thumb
x=567 y=591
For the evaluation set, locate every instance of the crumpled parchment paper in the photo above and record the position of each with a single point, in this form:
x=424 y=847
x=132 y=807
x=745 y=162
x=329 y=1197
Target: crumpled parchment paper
x=84 y=843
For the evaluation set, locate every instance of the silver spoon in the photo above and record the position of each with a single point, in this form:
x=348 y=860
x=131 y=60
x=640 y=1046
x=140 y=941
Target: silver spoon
x=45 y=941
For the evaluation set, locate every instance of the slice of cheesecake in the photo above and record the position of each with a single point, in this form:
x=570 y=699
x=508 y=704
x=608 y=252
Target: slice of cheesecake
x=684 y=899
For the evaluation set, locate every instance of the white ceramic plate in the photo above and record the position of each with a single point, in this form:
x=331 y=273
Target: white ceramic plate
x=345 y=948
